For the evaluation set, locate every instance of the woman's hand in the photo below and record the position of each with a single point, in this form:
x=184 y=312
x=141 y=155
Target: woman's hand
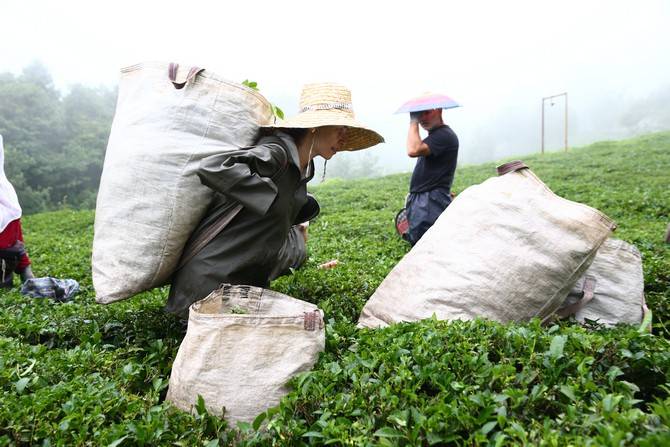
x=303 y=227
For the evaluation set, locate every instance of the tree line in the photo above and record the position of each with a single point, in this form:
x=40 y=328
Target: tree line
x=54 y=142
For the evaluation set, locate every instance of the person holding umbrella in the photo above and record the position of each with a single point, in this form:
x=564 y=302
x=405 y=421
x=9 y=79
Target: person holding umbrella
x=430 y=186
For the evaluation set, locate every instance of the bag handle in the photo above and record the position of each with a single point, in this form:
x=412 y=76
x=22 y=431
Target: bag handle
x=588 y=289
x=173 y=68
x=512 y=166
x=312 y=321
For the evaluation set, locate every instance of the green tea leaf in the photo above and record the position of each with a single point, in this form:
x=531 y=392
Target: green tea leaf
x=388 y=432
x=21 y=384
x=556 y=348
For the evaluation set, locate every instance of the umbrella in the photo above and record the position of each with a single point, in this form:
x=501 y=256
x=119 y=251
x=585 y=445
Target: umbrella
x=428 y=101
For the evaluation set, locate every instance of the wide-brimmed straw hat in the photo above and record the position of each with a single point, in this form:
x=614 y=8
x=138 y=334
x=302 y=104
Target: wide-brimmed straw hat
x=327 y=104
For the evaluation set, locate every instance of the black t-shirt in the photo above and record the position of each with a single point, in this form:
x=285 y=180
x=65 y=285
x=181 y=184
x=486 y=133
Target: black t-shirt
x=437 y=169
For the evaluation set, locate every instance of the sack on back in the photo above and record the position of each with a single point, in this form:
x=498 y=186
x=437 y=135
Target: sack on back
x=612 y=289
x=150 y=198
x=242 y=345
x=508 y=249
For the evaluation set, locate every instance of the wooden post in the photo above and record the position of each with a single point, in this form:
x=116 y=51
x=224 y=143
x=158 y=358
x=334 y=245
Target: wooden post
x=543 y=125
x=566 y=121
x=565 y=128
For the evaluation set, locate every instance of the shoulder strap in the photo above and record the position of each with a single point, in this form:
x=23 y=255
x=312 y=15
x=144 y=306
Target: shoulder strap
x=194 y=247
x=588 y=292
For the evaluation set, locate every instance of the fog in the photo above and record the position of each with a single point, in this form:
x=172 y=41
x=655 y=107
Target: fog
x=498 y=59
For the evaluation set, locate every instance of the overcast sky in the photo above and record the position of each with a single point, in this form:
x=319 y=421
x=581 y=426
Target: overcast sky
x=497 y=58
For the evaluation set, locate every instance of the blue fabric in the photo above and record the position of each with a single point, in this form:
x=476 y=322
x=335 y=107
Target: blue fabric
x=48 y=287
x=437 y=169
x=423 y=209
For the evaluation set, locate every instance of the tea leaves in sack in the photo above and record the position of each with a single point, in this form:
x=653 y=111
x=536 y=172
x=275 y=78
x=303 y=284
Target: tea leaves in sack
x=150 y=199
x=615 y=287
x=242 y=346
x=508 y=249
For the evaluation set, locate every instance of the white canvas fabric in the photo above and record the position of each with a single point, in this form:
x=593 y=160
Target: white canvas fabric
x=150 y=198
x=9 y=204
x=617 y=284
x=242 y=345
x=508 y=249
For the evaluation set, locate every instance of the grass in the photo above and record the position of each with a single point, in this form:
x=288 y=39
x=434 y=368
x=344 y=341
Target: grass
x=85 y=374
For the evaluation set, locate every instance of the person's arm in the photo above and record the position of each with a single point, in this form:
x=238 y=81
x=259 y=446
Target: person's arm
x=245 y=175
x=416 y=147
x=292 y=254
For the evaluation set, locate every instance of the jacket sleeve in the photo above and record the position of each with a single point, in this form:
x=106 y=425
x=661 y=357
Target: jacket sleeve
x=245 y=175
x=292 y=254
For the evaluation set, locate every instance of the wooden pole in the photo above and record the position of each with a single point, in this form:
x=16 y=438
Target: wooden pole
x=566 y=121
x=543 y=125
x=565 y=128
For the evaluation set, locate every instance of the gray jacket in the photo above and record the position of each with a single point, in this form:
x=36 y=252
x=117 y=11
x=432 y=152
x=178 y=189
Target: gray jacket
x=260 y=243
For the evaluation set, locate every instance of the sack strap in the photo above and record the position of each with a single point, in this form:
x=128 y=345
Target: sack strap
x=173 y=68
x=222 y=222
x=209 y=234
x=588 y=292
x=512 y=166
x=312 y=321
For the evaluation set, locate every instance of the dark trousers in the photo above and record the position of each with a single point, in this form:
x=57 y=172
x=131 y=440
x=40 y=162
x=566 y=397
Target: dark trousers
x=423 y=209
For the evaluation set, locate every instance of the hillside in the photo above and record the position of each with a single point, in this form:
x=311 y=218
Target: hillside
x=85 y=374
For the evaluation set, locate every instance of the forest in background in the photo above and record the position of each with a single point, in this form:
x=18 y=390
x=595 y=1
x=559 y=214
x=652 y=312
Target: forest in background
x=54 y=142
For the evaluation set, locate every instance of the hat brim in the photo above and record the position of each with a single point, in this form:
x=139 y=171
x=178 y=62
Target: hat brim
x=358 y=136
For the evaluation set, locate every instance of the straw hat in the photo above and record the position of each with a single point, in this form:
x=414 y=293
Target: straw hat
x=326 y=104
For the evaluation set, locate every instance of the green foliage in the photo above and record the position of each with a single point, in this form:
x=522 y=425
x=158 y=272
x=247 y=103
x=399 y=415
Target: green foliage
x=276 y=111
x=54 y=145
x=85 y=374
x=478 y=382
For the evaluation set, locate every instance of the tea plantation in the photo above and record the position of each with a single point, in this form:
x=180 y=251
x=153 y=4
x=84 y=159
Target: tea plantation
x=84 y=374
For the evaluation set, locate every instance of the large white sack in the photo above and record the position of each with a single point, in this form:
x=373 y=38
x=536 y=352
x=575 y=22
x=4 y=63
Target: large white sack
x=615 y=284
x=150 y=199
x=242 y=345
x=508 y=249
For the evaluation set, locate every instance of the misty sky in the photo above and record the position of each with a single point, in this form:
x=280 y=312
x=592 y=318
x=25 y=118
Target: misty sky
x=497 y=58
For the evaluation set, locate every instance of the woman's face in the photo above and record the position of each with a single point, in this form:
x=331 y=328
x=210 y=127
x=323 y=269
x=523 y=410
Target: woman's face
x=330 y=140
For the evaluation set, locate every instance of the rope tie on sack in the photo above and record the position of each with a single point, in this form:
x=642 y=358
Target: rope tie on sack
x=327 y=106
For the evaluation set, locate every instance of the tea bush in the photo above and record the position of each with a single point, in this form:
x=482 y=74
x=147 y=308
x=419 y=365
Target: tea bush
x=84 y=374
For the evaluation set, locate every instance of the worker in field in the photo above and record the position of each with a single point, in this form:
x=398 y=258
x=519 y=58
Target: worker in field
x=436 y=157
x=264 y=239
x=13 y=256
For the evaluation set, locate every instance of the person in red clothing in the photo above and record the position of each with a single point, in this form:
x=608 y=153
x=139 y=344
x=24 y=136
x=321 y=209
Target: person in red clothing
x=13 y=256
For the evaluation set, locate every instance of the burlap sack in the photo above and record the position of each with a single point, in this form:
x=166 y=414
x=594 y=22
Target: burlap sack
x=508 y=249
x=241 y=347
x=150 y=199
x=612 y=289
